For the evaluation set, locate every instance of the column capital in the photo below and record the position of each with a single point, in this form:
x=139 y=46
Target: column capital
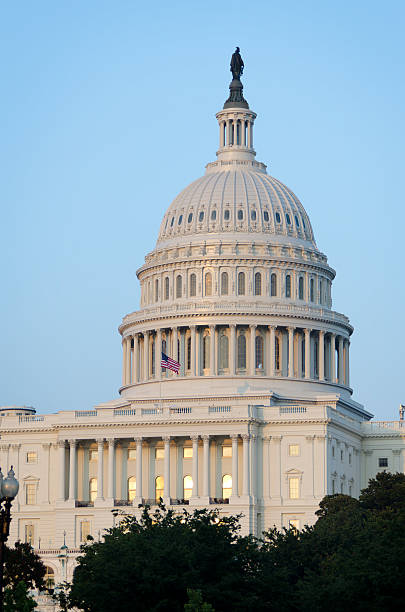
x=232 y=325
x=5 y=447
x=307 y=331
x=206 y=437
x=15 y=446
x=100 y=441
x=46 y=446
x=166 y=438
x=245 y=437
x=396 y=451
x=234 y=436
x=277 y=439
x=111 y=441
x=195 y=437
x=272 y=327
x=252 y=325
x=321 y=333
x=267 y=438
x=310 y=438
x=138 y=439
x=72 y=442
x=61 y=443
x=291 y=328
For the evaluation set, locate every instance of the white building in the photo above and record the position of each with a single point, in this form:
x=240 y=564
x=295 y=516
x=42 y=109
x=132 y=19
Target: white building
x=260 y=419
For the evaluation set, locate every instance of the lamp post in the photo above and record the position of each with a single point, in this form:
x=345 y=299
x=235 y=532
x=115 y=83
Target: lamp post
x=8 y=490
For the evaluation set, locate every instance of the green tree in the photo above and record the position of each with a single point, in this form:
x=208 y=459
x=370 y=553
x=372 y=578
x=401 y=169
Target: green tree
x=23 y=564
x=195 y=602
x=17 y=599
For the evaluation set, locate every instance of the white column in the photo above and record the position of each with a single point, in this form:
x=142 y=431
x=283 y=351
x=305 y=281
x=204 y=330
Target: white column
x=252 y=351
x=166 y=483
x=291 y=352
x=232 y=356
x=72 y=470
x=128 y=361
x=195 y=439
x=193 y=349
x=235 y=474
x=100 y=469
x=272 y=339
x=174 y=353
x=206 y=459
x=62 y=468
x=347 y=363
x=138 y=499
x=243 y=134
x=266 y=467
x=253 y=465
x=321 y=355
x=333 y=358
x=212 y=350
x=158 y=354
x=228 y=132
x=135 y=357
x=111 y=458
x=146 y=355
x=246 y=464
x=340 y=360
x=307 y=333
x=124 y=360
x=124 y=469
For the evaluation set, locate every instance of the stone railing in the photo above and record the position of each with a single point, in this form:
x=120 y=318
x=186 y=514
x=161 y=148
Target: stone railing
x=379 y=426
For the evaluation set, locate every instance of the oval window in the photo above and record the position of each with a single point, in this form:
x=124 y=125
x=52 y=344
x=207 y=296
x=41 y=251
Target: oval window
x=240 y=215
x=288 y=219
x=297 y=221
x=253 y=215
x=278 y=219
x=180 y=220
x=226 y=215
x=266 y=215
x=190 y=217
x=213 y=215
x=201 y=216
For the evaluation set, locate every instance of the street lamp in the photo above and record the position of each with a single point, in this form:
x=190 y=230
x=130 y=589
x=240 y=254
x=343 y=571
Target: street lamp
x=8 y=490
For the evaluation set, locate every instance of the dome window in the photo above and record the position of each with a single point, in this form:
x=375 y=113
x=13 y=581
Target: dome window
x=273 y=285
x=266 y=215
x=288 y=286
x=180 y=220
x=208 y=284
x=240 y=214
x=253 y=215
x=224 y=283
x=241 y=283
x=288 y=218
x=193 y=285
x=297 y=221
x=171 y=222
x=226 y=215
x=258 y=283
x=303 y=223
x=278 y=218
x=213 y=215
x=201 y=216
x=190 y=218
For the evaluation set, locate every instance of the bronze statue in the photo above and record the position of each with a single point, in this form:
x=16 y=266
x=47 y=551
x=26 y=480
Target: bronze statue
x=237 y=65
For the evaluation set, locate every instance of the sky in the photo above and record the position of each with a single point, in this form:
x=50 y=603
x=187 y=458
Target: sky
x=107 y=112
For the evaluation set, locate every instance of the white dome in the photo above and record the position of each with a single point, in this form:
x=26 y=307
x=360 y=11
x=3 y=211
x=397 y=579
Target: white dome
x=238 y=200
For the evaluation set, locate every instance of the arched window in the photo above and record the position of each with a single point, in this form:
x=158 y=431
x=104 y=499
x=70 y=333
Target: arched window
x=258 y=283
x=241 y=283
x=201 y=216
x=224 y=283
x=266 y=216
x=253 y=215
x=223 y=352
x=187 y=487
x=131 y=488
x=301 y=288
x=242 y=352
x=213 y=215
x=49 y=578
x=193 y=285
x=92 y=489
x=153 y=360
x=226 y=214
x=189 y=353
x=156 y=290
x=273 y=285
x=277 y=354
x=179 y=286
x=208 y=283
x=206 y=352
x=159 y=488
x=311 y=290
x=226 y=486
x=259 y=352
x=167 y=285
x=240 y=214
x=288 y=286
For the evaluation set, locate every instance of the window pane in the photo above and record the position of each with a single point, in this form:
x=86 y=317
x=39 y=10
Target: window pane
x=132 y=453
x=93 y=454
x=31 y=457
x=273 y=285
x=294 y=488
x=259 y=352
x=29 y=534
x=294 y=450
x=187 y=452
x=227 y=451
x=206 y=352
x=187 y=487
x=159 y=487
x=288 y=286
x=131 y=488
x=179 y=287
x=84 y=530
x=193 y=285
x=93 y=489
x=258 y=283
x=223 y=352
x=226 y=486
x=294 y=524
x=30 y=494
x=166 y=288
x=159 y=453
x=301 y=288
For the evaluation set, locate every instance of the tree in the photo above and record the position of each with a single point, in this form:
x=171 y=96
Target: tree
x=17 y=599
x=195 y=603
x=386 y=490
x=149 y=563
x=23 y=564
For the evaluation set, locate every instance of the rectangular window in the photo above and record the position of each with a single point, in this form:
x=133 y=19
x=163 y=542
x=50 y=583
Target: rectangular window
x=227 y=451
x=84 y=530
x=30 y=494
x=294 y=524
x=383 y=462
x=159 y=453
x=187 y=452
x=341 y=455
x=333 y=451
x=132 y=453
x=294 y=450
x=350 y=458
x=93 y=454
x=29 y=534
x=31 y=457
x=294 y=488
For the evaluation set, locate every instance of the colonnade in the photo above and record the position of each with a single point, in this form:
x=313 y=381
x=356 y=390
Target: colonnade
x=201 y=475
x=236 y=131
x=253 y=350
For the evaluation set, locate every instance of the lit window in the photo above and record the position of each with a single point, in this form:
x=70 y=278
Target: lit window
x=226 y=215
x=93 y=454
x=179 y=286
x=93 y=489
x=187 y=487
x=84 y=530
x=259 y=352
x=266 y=215
x=193 y=285
x=131 y=488
x=241 y=283
x=31 y=457
x=30 y=494
x=240 y=214
x=208 y=284
x=159 y=453
x=294 y=488
x=49 y=578
x=277 y=354
x=294 y=450
x=201 y=216
x=383 y=462
x=273 y=285
x=29 y=534
x=294 y=524
x=213 y=215
x=132 y=453
x=241 y=352
x=190 y=218
x=187 y=452
x=159 y=488
x=278 y=218
x=226 y=486
x=258 y=283
x=227 y=451
x=224 y=283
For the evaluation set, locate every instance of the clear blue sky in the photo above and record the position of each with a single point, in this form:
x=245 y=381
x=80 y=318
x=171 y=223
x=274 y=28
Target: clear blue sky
x=108 y=111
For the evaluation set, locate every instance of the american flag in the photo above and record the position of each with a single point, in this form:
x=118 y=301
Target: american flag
x=170 y=364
